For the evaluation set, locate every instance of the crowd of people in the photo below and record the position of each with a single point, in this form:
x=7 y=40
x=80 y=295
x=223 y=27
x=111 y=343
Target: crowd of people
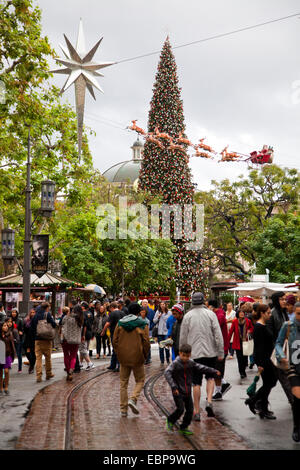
x=191 y=345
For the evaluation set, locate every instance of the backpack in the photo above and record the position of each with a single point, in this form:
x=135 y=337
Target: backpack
x=44 y=329
x=71 y=332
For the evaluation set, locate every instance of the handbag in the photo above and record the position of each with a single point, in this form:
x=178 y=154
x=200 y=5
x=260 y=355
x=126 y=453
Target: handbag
x=44 y=329
x=155 y=331
x=248 y=347
x=286 y=351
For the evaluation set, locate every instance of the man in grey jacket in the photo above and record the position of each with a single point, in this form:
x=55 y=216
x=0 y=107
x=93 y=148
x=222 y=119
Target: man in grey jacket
x=200 y=328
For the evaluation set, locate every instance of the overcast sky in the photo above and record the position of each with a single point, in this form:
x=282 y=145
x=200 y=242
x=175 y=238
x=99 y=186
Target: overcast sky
x=242 y=90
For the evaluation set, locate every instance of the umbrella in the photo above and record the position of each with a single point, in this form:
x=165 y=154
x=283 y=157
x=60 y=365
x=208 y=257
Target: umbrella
x=252 y=388
x=246 y=299
x=96 y=289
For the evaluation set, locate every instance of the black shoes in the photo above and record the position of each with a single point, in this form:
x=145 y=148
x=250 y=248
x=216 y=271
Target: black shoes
x=251 y=405
x=266 y=414
x=296 y=434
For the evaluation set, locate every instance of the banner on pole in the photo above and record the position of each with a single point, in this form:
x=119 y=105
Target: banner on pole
x=40 y=251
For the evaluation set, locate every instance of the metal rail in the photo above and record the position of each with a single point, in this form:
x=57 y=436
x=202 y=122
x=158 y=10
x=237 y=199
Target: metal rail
x=68 y=431
x=149 y=394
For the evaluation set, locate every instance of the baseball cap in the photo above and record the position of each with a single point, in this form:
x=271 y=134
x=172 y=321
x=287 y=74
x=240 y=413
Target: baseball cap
x=197 y=298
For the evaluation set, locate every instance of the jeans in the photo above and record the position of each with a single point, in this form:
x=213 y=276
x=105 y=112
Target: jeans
x=161 y=350
x=19 y=347
x=182 y=402
x=114 y=363
x=242 y=361
x=101 y=340
x=30 y=354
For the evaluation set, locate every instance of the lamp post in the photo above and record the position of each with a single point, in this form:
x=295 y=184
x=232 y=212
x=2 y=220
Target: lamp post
x=47 y=207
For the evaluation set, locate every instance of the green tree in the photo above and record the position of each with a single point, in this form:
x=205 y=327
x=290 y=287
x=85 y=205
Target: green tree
x=165 y=171
x=236 y=212
x=277 y=248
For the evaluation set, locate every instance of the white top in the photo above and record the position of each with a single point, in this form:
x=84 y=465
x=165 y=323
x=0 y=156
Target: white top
x=162 y=322
x=230 y=316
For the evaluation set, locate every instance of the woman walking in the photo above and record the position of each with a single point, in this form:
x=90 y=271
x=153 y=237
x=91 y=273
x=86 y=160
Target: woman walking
x=240 y=329
x=99 y=321
x=71 y=326
x=29 y=341
x=263 y=347
x=18 y=325
x=291 y=331
x=161 y=316
x=230 y=316
x=9 y=355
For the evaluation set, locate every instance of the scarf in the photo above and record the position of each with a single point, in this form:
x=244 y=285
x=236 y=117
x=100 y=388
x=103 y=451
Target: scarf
x=244 y=336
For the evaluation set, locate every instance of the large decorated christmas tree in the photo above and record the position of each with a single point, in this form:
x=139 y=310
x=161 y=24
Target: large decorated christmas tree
x=165 y=171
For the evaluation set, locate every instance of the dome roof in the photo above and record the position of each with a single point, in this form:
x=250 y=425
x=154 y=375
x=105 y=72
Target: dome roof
x=124 y=172
x=138 y=143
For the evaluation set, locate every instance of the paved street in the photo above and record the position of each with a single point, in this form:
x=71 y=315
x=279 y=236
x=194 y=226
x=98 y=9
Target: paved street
x=242 y=430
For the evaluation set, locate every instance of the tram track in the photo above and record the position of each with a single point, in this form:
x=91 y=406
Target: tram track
x=151 y=397
x=68 y=441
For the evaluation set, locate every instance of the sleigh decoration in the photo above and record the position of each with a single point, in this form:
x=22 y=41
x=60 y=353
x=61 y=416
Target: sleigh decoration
x=265 y=155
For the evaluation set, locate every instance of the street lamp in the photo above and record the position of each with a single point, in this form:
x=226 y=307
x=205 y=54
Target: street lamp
x=47 y=198
x=8 y=244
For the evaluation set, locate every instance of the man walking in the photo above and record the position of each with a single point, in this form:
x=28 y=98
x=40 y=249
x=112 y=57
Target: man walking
x=131 y=344
x=200 y=328
x=43 y=347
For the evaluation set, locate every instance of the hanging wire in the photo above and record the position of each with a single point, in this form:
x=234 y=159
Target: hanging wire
x=210 y=38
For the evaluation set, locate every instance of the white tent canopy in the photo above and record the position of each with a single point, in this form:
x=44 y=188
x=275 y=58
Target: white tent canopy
x=264 y=289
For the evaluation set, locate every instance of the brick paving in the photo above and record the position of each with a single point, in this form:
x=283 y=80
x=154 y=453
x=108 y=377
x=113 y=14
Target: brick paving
x=97 y=424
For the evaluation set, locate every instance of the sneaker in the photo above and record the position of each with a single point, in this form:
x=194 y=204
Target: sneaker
x=197 y=417
x=209 y=410
x=185 y=432
x=217 y=396
x=6 y=392
x=19 y=371
x=133 y=406
x=90 y=366
x=169 y=426
x=225 y=388
x=124 y=414
x=243 y=376
x=81 y=365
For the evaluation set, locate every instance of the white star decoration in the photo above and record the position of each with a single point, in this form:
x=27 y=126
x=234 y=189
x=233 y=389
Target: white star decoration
x=82 y=72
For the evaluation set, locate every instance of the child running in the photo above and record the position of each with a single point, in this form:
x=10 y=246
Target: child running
x=8 y=357
x=179 y=375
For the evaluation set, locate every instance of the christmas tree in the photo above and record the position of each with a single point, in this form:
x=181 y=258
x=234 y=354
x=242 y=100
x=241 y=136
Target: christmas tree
x=165 y=171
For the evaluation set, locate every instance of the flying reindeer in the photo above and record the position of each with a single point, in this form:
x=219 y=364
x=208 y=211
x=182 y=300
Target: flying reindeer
x=228 y=156
x=135 y=128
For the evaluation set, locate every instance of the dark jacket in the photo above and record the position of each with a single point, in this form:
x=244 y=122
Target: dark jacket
x=9 y=345
x=28 y=336
x=263 y=345
x=99 y=322
x=275 y=322
x=179 y=374
x=88 y=322
x=39 y=316
x=176 y=335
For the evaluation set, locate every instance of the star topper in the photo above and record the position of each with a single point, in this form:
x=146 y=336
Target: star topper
x=82 y=72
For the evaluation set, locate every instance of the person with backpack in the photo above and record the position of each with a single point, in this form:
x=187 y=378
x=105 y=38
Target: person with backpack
x=70 y=330
x=41 y=325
